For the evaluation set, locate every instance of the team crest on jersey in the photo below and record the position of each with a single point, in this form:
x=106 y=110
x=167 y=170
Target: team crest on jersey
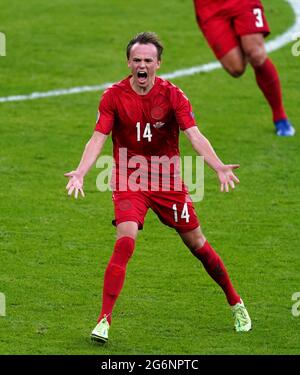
x=125 y=205
x=158 y=124
x=157 y=113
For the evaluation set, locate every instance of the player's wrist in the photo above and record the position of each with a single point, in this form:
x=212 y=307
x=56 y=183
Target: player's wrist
x=218 y=167
x=80 y=173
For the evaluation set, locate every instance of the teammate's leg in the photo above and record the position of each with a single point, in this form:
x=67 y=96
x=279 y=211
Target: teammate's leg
x=251 y=26
x=266 y=74
x=222 y=39
x=234 y=62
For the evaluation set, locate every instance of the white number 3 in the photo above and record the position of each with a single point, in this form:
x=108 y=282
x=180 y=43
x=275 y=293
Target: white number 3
x=259 y=18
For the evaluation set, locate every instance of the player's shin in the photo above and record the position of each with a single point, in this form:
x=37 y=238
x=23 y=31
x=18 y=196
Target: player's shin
x=115 y=275
x=216 y=269
x=268 y=81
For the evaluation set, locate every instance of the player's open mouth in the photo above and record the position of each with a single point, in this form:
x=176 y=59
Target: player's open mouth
x=142 y=76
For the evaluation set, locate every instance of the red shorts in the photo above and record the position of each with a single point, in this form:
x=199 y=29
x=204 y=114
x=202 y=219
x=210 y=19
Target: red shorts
x=174 y=208
x=223 y=23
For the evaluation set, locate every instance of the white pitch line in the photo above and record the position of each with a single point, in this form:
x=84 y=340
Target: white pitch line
x=271 y=46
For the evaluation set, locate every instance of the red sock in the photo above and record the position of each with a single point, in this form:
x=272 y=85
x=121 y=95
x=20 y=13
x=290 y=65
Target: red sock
x=115 y=275
x=268 y=81
x=217 y=271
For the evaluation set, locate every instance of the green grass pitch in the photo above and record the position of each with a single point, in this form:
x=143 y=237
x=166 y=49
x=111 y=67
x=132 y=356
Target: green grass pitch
x=54 y=250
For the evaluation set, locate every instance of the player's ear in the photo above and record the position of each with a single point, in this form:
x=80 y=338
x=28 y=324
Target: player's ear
x=158 y=64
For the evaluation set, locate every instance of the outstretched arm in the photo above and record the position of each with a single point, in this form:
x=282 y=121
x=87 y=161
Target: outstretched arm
x=202 y=146
x=89 y=156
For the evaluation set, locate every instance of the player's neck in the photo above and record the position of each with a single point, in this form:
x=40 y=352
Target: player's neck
x=141 y=90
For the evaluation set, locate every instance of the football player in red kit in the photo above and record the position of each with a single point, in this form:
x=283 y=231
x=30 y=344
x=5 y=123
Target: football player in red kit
x=235 y=30
x=144 y=115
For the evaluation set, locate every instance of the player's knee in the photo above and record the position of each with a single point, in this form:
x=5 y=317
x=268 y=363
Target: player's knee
x=237 y=71
x=256 y=55
x=196 y=242
x=234 y=62
x=127 y=229
x=124 y=248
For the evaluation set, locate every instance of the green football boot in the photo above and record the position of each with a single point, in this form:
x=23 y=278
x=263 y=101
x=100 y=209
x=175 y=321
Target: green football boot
x=100 y=332
x=242 y=321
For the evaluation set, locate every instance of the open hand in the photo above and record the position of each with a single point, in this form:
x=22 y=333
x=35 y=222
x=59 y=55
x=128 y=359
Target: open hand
x=227 y=177
x=75 y=183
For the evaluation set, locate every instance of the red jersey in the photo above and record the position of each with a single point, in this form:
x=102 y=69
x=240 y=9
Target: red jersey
x=145 y=125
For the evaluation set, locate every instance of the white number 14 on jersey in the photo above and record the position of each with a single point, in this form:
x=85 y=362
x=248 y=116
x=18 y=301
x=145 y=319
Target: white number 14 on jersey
x=184 y=213
x=147 y=132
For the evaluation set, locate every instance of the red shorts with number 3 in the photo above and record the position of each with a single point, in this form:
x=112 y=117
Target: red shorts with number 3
x=223 y=23
x=174 y=208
